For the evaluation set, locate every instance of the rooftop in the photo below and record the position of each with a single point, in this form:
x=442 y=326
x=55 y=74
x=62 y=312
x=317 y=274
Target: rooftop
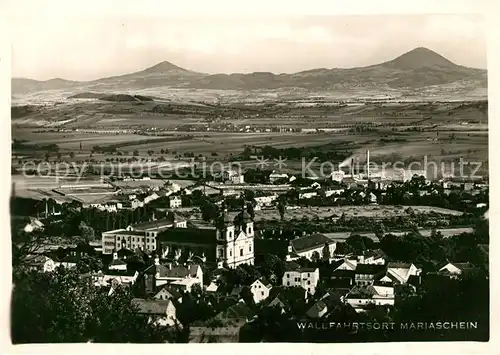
x=157 y=307
x=126 y=232
x=310 y=242
x=177 y=271
x=369 y=269
x=158 y=224
x=189 y=235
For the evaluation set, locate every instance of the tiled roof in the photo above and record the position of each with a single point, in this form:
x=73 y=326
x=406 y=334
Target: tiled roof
x=239 y=311
x=160 y=223
x=155 y=307
x=177 y=271
x=376 y=254
x=171 y=292
x=189 y=235
x=236 y=291
x=316 y=308
x=117 y=262
x=310 y=242
x=369 y=269
x=340 y=273
x=399 y=265
x=291 y=266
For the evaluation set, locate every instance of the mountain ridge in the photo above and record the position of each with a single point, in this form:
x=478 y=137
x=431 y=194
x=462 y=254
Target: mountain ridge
x=416 y=68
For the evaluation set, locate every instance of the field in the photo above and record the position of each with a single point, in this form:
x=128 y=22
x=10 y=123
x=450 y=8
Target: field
x=440 y=131
x=349 y=211
x=446 y=232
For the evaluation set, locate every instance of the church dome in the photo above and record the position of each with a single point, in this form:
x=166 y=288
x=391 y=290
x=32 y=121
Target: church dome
x=224 y=220
x=242 y=218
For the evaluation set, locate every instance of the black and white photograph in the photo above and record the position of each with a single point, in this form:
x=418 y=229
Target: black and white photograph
x=249 y=179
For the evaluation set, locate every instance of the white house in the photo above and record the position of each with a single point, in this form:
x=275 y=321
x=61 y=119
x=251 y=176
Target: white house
x=162 y=311
x=151 y=197
x=307 y=194
x=307 y=278
x=33 y=225
x=51 y=264
x=168 y=293
x=116 y=263
x=115 y=277
x=360 y=296
x=175 y=202
x=454 y=270
x=233 y=176
x=399 y=273
x=265 y=200
x=372 y=257
x=260 y=289
x=136 y=203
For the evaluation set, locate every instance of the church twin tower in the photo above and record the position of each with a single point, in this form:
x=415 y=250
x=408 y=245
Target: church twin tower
x=235 y=239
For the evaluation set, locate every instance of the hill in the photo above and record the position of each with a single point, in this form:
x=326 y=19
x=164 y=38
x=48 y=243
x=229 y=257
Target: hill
x=416 y=69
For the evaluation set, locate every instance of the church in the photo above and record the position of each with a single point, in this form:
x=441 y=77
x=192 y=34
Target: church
x=228 y=242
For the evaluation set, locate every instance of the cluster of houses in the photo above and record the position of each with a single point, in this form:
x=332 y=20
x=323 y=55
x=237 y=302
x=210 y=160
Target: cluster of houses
x=168 y=259
x=137 y=197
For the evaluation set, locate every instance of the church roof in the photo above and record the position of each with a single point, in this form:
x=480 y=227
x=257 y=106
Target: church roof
x=206 y=236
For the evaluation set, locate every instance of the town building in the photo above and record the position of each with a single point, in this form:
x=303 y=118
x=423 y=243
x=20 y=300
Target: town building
x=309 y=245
x=400 y=273
x=454 y=270
x=180 y=277
x=228 y=242
x=260 y=289
x=295 y=275
x=151 y=197
x=175 y=202
x=376 y=256
x=162 y=312
x=233 y=176
x=361 y=296
x=366 y=274
x=142 y=235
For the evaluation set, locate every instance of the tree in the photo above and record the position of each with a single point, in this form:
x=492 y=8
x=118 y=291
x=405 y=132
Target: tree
x=62 y=307
x=209 y=211
x=251 y=210
x=71 y=155
x=358 y=243
x=282 y=209
x=136 y=153
x=326 y=255
x=315 y=257
x=87 y=233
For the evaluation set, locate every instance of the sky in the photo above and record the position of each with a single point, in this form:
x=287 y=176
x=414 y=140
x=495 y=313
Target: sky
x=88 y=47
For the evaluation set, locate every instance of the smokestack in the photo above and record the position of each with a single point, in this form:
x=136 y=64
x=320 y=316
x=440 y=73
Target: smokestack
x=352 y=167
x=368 y=164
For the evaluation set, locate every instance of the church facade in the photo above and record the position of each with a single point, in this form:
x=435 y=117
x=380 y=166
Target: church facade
x=228 y=242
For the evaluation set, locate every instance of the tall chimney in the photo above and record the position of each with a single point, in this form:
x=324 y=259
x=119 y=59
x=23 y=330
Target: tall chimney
x=352 y=167
x=368 y=164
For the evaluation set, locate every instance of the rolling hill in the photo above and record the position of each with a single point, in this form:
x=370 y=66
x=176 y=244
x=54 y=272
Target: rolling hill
x=416 y=69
